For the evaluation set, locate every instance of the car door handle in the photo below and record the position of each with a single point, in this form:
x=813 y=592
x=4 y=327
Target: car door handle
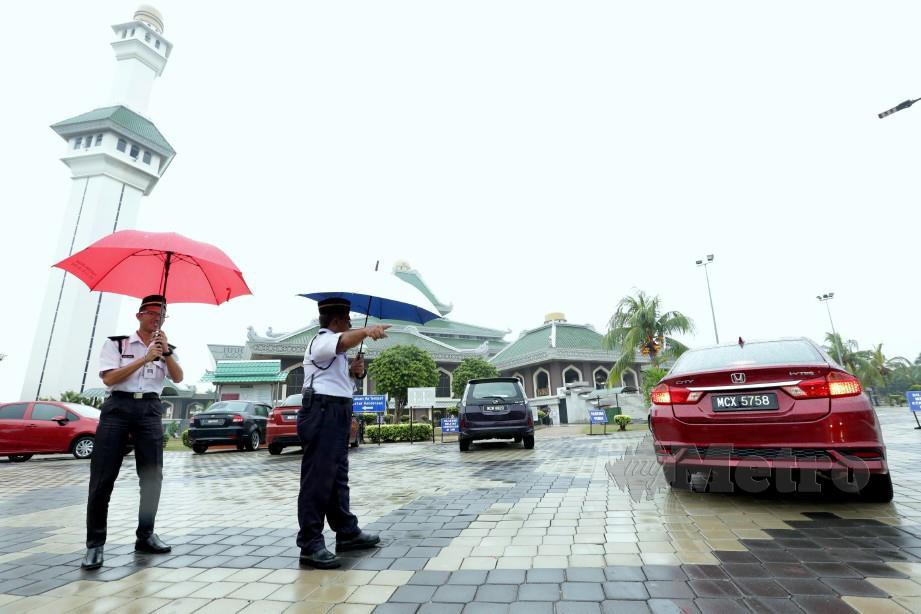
x=31 y=426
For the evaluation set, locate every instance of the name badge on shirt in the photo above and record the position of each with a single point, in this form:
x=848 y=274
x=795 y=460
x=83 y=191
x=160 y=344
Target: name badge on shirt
x=149 y=371
x=127 y=355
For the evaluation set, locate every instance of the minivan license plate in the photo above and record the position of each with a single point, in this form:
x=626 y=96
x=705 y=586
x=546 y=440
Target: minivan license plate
x=744 y=402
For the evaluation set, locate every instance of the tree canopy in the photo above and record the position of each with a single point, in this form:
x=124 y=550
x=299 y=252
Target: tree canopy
x=402 y=367
x=471 y=368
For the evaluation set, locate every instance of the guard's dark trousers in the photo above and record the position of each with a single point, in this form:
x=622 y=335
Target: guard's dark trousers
x=323 y=428
x=142 y=419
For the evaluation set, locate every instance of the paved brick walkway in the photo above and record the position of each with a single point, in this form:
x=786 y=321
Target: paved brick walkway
x=579 y=524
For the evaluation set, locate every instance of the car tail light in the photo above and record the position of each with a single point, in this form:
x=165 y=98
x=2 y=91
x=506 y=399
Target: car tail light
x=835 y=384
x=663 y=394
x=238 y=418
x=842 y=384
x=530 y=417
x=462 y=422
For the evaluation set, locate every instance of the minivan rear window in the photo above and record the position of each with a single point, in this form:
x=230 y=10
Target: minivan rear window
x=490 y=391
x=756 y=354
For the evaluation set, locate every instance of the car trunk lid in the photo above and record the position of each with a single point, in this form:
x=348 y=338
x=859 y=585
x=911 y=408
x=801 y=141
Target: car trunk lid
x=208 y=419
x=285 y=415
x=741 y=395
x=495 y=413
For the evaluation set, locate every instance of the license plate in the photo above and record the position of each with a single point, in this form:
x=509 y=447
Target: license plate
x=290 y=417
x=744 y=402
x=212 y=422
x=494 y=409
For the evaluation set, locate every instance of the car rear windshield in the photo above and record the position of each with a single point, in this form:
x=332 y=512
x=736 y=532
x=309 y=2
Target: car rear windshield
x=757 y=354
x=228 y=406
x=490 y=391
x=293 y=399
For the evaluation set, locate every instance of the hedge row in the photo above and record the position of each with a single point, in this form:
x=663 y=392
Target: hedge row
x=398 y=432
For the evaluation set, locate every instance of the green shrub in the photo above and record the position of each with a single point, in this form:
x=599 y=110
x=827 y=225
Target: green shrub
x=185 y=439
x=368 y=418
x=389 y=433
x=622 y=421
x=453 y=411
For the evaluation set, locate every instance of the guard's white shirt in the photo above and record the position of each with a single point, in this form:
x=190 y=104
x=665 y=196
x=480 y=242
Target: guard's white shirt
x=329 y=369
x=148 y=378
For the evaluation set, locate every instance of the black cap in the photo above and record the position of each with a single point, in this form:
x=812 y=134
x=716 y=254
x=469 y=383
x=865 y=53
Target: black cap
x=153 y=299
x=334 y=305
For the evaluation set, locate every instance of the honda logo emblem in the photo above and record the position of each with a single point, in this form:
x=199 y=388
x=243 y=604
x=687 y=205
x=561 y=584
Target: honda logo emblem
x=737 y=378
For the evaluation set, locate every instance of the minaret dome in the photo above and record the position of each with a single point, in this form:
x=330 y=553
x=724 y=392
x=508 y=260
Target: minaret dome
x=150 y=16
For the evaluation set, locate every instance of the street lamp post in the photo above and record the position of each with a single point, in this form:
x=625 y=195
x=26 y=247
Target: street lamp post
x=824 y=298
x=709 y=293
x=899 y=107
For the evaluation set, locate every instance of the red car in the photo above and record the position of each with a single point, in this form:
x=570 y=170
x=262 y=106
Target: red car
x=46 y=427
x=281 y=431
x=781 y=409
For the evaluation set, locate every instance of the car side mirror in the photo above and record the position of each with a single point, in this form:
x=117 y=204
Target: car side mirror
x=60 y=420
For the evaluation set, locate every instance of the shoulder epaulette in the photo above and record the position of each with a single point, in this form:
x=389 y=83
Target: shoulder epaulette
x=119 y=339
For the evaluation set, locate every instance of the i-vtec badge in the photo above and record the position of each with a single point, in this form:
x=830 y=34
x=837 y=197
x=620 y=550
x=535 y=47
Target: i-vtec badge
x=737 y=378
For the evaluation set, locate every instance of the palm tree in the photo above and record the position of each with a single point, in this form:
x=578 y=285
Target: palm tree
x=845 y=352
x=640 y=326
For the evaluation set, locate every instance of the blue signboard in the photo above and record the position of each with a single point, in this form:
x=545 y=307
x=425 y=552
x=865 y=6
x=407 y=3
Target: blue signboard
x=449 y=425
x=914 y=400
x=369 y=403
x=598 y=416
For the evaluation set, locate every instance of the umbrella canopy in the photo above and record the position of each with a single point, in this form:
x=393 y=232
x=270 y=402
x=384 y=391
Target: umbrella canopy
x=381 y=295
x=138 y=263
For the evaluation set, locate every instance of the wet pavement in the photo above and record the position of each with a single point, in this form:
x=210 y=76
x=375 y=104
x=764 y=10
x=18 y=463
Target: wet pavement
x=579 y=524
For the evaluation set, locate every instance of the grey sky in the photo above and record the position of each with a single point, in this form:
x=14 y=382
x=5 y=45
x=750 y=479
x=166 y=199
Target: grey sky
x=526 y=157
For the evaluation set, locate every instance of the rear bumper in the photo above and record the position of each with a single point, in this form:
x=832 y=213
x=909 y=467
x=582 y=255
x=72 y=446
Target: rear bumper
x=216 y=436
x=826 y=459
x=826 y=444
x=496 y=432
x=283 y=440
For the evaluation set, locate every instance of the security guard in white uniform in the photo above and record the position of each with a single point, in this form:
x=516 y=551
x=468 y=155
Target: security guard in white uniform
x=323 y=426
x=133 y=368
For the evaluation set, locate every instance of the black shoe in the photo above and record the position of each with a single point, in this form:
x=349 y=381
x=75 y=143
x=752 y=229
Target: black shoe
x=359 y=542
x=152 y=545
x=93 y=558
x=321 y=559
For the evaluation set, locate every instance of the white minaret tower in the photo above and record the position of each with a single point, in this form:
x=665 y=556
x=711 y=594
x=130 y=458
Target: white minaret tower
x=115 y=155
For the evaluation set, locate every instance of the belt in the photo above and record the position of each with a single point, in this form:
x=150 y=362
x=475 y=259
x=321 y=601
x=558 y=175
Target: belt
x=121 y=394
x=332 y=400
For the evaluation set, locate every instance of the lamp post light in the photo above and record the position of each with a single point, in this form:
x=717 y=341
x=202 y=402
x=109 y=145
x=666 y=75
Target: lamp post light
x=824 y=298
x=899 y=107
x=704 y=264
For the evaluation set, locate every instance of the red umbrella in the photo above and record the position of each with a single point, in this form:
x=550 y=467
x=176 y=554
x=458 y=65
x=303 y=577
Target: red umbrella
x=138 y=263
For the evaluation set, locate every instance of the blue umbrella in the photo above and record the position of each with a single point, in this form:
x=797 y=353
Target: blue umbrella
x=383 y=296
x=382 y=308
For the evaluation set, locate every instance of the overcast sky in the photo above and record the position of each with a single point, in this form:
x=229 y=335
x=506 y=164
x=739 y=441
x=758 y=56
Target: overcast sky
x=525 y=157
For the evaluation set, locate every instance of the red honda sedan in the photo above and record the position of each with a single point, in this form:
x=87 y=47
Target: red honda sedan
x=281 y=430
x=46 y=427
x=780 y=409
